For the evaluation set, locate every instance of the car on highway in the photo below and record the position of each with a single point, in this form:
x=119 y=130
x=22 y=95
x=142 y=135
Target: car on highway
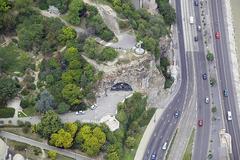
x=153 y=156
x=176 y=114
x=204 y=76
x=229 y=115
x=195 y=3
x=196 y=38
x=199 y=28
x=200 y=123
x=217 y=35
x=225 y=93
x=164 y=147
x=206 y=100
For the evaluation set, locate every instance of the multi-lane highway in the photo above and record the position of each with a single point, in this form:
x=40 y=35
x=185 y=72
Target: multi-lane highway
x=167 y=124
x=225 y=75
x=203 y=110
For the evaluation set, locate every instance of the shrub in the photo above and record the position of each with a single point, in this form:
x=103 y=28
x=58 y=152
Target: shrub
x=52 y=155
x=25 y=129
x=63 y=108
x=7 y=112
x=37 y=151
x=20 y=146
x=20 y=123
x=27 y=124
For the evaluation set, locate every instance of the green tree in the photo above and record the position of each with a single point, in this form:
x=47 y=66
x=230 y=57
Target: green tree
x=63 y=108
x=210 y=56
x=72 y=94
x=90 y=48
x=71 y=54
x=61 y=139
x=8 y=58
x=62 y=5
x=52 y=155
x=108 y=54
x=149 y=44
x=130 y=142
x=45 y=103
x=113 y=156
x=22 y=4
x=30 y=36
x=8 y=89
x=83 y=134
x=167 y=11
x=100 y=135
x=71 y=128
x=91 y=140
x=75 y=7
x=75 y=64
x=4 y=6
x=213 y=81
x=91 y=146
x=71 y=76
x=50 y=123
x=66 y=34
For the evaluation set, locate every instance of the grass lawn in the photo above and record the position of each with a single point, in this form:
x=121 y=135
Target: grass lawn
x=188 y=152
x=18 y=131
x=59 y=156
x=31 y=152
x=30 y=111
x=170 y=146
x=129 y=154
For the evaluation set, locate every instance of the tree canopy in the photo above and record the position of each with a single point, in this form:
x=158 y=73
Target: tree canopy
x=61 y=139
x=8 y=89
x=46 y=102
x=50 y=123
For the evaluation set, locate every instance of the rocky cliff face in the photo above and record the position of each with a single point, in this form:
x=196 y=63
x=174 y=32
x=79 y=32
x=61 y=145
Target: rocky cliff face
x=141 y=73
x=149 y=5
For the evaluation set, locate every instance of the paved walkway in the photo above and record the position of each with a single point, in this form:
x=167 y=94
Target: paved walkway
x=107 y=105
x=41 y=145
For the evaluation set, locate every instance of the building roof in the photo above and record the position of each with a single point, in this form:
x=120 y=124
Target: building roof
x=111 y=122
x=18 y=157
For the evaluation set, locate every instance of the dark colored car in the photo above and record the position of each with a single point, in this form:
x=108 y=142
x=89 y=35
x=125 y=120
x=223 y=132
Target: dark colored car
x=200 y=123
x=196 y=3
x=195 y=38
x=204 y=76
x=153 y=156
x=176 y=114
x=121 y=87
x=225 y=93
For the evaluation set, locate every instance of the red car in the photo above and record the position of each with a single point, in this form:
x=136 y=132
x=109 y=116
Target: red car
x=217 y=35
x=200 y=123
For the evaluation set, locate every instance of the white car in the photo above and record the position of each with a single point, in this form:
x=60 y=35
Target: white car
x=81 y=112
x=77 y=113
x=164 y=147
x=93 y=107
x=206 y=100
x=229 y=115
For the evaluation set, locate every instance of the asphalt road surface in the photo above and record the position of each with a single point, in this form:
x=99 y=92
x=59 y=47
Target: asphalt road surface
x=167 y=123
x=203 y=110
x=225 y=76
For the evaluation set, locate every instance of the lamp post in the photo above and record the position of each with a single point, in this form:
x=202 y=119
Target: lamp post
x=26 y=153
